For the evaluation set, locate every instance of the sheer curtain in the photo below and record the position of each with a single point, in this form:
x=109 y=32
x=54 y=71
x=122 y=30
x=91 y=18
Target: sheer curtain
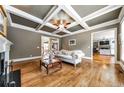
x=122 y=41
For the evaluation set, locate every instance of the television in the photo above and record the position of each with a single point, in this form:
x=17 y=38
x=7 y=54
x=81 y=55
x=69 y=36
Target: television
x=104 y=42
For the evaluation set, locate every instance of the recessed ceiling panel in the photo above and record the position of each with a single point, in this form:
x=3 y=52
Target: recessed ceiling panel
x=60 y=16
x=23 y=21
x=35 y=10
x=61 y=33
x=104 y=18
x=75 y=28
x=84 y=10
x=47 y=29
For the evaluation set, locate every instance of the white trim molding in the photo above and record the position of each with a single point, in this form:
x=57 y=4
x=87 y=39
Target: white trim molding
x=25 y=59
x=102 y=11
x=23 y=14
x=94 y=27
x=56 y=31
x=98 y=13
x=72 y=13
x=115 y=35
x=49 y=16
x=121 y=15
x=122 y=65
x=85 y=57
x=33 y=30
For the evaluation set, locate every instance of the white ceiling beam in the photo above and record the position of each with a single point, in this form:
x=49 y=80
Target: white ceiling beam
x=105 y=24
x=50 y=34
x=50 y=17
x=66 y=31
x=121 y=15
x=21 y=13
x=51 y=25
x=72 y=24
x=71 y=12
x=95 y=27
x=56 y=31
x=63 y=30
x=33 y=30
x=98 y=13
x=49 y=13
x=102 y=11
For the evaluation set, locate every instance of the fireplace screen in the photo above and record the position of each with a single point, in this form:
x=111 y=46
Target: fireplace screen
x=1 y=63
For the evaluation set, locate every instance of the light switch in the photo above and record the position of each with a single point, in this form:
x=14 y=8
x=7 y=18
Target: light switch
x=38 y=47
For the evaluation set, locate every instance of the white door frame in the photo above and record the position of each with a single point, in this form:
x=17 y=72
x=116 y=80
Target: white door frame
x=42 y=45
x=115 y=29
x=49 y=42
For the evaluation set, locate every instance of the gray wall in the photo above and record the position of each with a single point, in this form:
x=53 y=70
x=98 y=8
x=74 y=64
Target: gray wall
x=24 y=43
x=84 y=40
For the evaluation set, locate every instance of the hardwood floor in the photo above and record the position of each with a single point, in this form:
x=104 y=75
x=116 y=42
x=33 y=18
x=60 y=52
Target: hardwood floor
x=103 y=58
x=87 y=74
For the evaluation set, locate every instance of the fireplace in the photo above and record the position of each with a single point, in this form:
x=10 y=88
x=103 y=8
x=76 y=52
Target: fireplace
x=4 y=59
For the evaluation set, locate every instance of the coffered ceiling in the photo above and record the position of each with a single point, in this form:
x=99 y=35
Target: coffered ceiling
x=81 y=17
x=39 y=11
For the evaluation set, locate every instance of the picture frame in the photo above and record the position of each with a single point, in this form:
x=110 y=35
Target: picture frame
x=72 y=42
x=3 y=22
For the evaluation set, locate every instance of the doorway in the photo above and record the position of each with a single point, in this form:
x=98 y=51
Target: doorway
x=104 y=46
x=49 y=44
x=122 y=42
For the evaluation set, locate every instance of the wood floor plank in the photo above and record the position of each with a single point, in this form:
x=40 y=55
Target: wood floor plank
x=87 y=74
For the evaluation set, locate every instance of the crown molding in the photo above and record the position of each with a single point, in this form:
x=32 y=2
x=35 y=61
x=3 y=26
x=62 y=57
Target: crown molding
x=34 y=30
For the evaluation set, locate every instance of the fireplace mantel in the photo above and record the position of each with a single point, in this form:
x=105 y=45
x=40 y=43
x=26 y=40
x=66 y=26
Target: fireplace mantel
x=4 y=44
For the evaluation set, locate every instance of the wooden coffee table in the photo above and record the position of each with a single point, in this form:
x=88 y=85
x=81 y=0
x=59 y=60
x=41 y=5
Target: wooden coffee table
x=54 y=63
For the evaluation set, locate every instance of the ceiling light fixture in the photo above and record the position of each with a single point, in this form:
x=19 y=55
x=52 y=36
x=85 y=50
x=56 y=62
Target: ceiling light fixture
x=61 y=20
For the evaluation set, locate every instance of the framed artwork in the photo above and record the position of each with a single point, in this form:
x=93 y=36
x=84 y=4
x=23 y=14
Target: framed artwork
x=72 y=42
x=3 y=21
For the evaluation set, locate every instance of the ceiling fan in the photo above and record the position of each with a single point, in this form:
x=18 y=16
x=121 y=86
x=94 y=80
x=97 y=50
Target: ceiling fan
x=61 y=20
x=60 y=23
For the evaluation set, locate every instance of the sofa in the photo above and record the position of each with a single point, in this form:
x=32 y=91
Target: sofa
x=74 y=57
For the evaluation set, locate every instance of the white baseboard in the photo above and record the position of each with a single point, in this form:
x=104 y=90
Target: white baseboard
x=122 y=65
x=24 y=59
x=85 y=57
